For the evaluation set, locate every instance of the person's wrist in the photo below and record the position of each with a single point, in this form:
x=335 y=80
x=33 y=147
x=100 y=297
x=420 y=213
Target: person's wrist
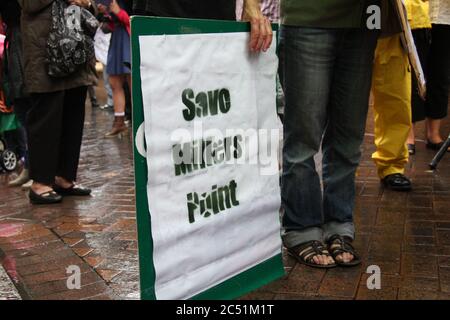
x=252 y=9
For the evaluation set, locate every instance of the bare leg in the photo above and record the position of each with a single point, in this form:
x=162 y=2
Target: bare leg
x=119 y=105
x=411 y=136
x=118 y=93
x=433 y=133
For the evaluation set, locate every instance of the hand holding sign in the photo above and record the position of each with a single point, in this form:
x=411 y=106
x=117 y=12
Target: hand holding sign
x=261 y=29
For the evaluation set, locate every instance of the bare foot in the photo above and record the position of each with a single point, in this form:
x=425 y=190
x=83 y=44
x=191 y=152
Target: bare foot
x=323 y=260
x=345 y=257
x=40 y=188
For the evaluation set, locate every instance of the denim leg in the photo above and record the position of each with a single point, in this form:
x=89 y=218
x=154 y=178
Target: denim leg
x=307 y=57
x=345 y=229
x=344 y=134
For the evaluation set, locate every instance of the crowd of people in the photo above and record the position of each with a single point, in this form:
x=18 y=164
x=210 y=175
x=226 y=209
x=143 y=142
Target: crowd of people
x=330 y=62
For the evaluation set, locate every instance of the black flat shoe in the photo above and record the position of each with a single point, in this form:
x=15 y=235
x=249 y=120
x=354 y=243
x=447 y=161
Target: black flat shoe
x=50 y=197
x=397 y=182
x=435 y=146
x=411 y=149
x=75 y=190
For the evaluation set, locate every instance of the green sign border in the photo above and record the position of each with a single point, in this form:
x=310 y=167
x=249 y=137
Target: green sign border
x=246 y=281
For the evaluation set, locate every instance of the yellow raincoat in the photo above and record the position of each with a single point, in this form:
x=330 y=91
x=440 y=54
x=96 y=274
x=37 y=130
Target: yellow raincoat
x=418 y=14
x=391 y=90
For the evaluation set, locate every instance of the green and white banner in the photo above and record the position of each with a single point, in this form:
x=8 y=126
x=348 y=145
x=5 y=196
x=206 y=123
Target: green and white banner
x=207 y=180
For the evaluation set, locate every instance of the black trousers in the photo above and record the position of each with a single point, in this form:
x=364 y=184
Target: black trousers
x=422 y=40
x=438 y=72
x=55 y=129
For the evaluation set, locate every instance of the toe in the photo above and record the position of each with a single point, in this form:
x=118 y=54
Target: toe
x=348 y=257
x=316 y=260
x=331 y=260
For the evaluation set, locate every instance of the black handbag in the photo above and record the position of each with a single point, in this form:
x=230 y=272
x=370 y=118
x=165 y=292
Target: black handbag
x=70 y=44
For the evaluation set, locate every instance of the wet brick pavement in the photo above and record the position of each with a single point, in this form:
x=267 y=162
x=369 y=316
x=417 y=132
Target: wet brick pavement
x=406 y=234
x=98 y=235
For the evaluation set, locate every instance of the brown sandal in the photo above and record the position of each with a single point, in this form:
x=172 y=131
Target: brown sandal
x=338 y=245
x=305 y=253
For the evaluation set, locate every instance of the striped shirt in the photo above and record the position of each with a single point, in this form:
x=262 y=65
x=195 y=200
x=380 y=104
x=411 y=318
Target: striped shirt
x=440 y=11
x=269 y=8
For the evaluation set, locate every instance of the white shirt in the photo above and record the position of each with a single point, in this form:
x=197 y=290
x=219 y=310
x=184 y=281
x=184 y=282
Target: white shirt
x=440 y=11
x=102 y=42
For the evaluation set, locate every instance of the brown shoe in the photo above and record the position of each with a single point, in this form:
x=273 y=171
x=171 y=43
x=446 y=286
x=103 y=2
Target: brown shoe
x=23 y=178
x=117 y=128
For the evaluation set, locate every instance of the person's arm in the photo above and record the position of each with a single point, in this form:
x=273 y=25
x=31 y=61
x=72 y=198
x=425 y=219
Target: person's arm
x=261 y=29
x=120 y=13
x=124 y=18
x=33 y=6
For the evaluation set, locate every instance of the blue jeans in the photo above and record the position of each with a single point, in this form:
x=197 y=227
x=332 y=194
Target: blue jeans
x=326 y=75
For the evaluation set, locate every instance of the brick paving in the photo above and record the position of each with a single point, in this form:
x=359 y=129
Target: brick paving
x=406 y=234
x=98 y=235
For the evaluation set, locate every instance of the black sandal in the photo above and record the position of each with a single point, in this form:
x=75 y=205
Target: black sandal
x=49 y=197
x=435 y=146
x=305 y=253
x=338 y=245
x=74 y=190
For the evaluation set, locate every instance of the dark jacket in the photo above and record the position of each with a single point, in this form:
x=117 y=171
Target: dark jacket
x=13 y=80
x=390 y=23
x=36 y=23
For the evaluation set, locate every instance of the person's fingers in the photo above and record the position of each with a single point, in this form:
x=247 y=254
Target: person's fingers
x=262 y=35
x=269 y=37
x=254 y=34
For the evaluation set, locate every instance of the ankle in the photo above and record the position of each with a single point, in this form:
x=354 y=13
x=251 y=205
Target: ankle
x=435 y=138
x=62 y=182
x=39 y=187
